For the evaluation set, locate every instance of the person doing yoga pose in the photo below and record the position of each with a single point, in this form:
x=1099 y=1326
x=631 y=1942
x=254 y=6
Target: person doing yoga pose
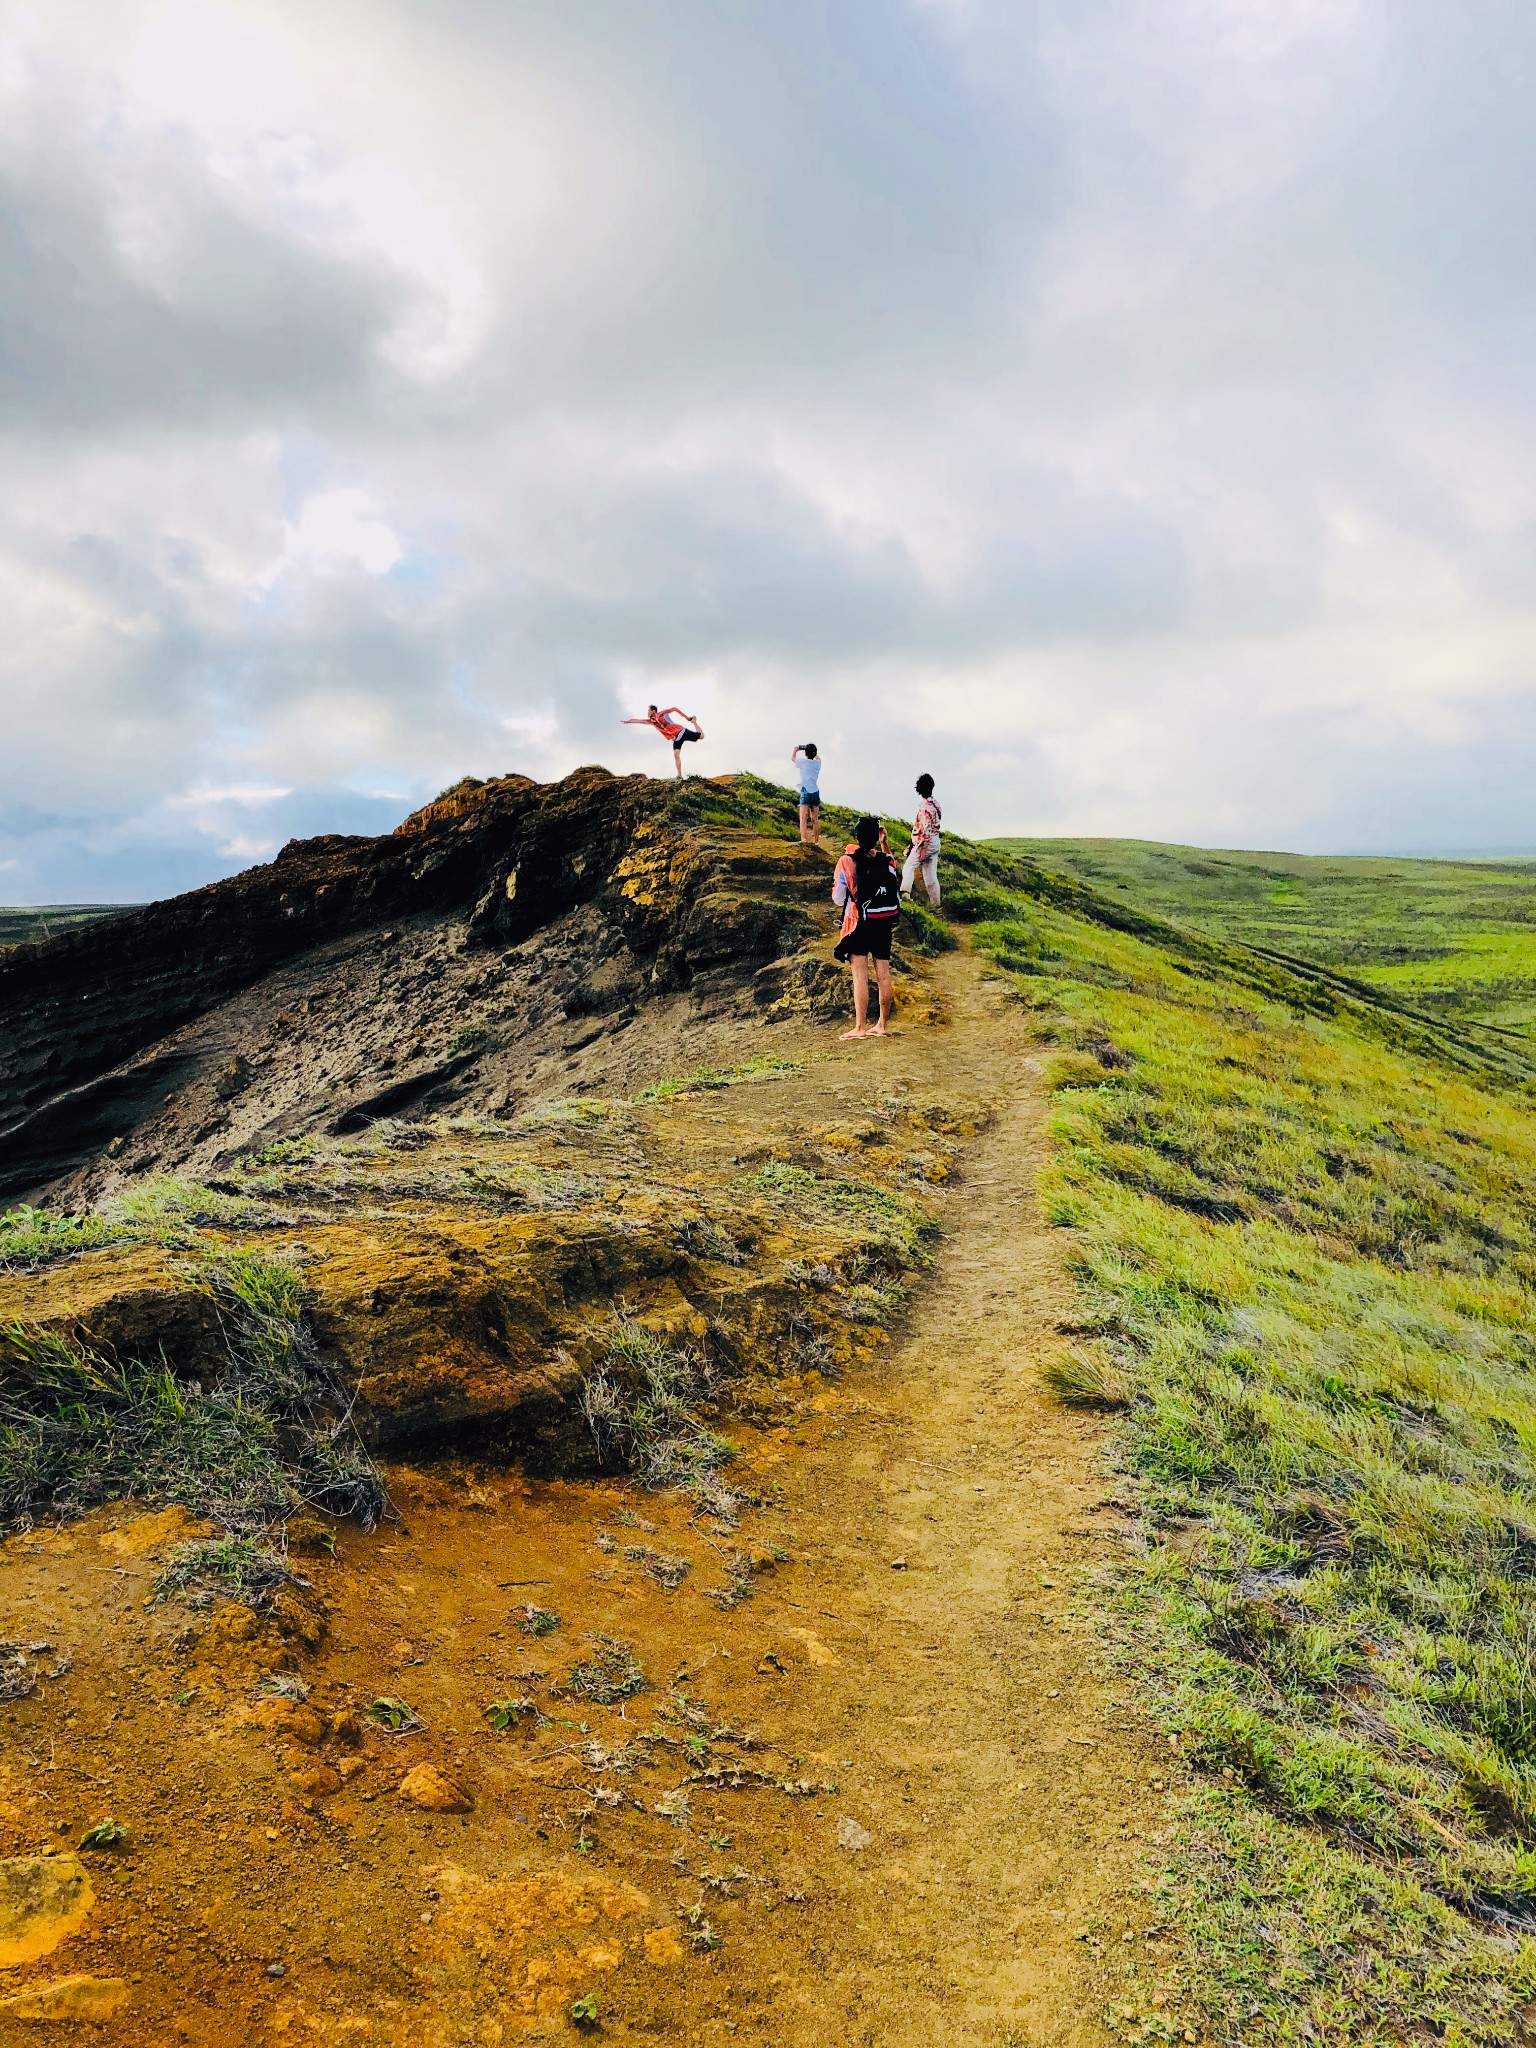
x=673 y=724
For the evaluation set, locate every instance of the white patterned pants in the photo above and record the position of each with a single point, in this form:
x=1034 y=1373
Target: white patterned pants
x=930 y=869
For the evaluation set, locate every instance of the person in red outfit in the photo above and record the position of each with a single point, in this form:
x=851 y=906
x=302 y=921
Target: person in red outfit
x=676 y=725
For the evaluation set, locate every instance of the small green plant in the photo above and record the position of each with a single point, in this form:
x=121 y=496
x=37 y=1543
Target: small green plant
x=611 y=1673
x=469 y=1038
x=33 y=1237
x=396 y=1717
x=107 y=1834
x=584 y=2013
x=702 y=1937
x=504 y=1714
x=536 y=1621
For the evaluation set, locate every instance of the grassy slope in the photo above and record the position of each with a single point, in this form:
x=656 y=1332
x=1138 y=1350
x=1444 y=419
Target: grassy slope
x=1457 y=938
x=20 y=926
x=1305 y=1235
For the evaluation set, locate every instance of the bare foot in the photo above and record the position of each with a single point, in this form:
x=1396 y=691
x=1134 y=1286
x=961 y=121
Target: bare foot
x=877 y=1031
x=854 y=1033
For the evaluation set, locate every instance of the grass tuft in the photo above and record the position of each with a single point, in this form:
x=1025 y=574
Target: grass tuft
x=274 y=1434
x=239 y=1568
x=641 y=1407
x=1083 y=1381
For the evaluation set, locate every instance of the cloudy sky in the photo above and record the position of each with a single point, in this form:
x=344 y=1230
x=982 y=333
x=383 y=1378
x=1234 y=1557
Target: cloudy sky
x=1122 y=408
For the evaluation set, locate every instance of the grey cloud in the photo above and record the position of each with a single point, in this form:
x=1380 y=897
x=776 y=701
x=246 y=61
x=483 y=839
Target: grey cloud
x=238 y=321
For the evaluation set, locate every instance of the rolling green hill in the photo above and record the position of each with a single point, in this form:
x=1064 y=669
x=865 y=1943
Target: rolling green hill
x=21 y=925
x=1303 y=1225
x=1456 y=938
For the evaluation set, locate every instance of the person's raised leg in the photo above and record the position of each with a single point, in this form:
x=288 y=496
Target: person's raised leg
x=860 y=966
x=887 y=999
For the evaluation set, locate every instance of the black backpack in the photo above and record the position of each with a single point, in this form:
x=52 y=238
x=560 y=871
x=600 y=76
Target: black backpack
x=877 y=887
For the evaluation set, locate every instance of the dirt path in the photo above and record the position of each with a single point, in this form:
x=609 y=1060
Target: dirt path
x=1002 y=1799
x=879 y=1801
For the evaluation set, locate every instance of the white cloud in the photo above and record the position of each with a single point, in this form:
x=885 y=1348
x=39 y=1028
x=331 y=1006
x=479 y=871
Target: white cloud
x=1123 y=407
x=336 y=531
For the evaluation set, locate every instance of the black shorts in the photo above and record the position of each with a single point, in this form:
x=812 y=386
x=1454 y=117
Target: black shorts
x=873 y=939
x=809 y=800
x=682 y=740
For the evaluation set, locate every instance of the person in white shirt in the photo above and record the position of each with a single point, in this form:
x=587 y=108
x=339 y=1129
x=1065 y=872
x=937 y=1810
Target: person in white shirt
x=809 y=762
x=926 y=840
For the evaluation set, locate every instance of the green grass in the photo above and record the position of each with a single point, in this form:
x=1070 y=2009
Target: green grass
x=1456 y=938
x=642 y=1408
x=1304 y=1233
x=161 y=1209
x=239 y=1568
x=876 y=1213
x=25 y=927
x=272 y=1435
x=702 y=1079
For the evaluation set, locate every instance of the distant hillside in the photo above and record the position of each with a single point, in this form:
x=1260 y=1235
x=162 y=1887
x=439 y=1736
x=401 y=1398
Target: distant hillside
x=23 y=925
x=1457 y=938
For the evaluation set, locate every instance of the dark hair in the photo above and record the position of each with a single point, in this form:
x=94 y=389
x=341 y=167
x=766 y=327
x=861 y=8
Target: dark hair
x=924 y=785
x=867 y=833
x=809 y=750
x=650 y=707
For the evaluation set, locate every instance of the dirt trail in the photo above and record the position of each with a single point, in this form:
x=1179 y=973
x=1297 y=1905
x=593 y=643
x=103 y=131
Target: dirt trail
x=1002 y=1797
x=877 y=1801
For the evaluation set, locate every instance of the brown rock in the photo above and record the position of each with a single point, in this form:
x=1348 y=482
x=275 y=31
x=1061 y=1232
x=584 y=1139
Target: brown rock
x=43 y=1900
x=315 y=1781
x=347 y=1729
x=289 y=1718
x=347 y=1767
x=68 y=1998
x=230 y=1628
x=427 y=1788
x=301 y=1618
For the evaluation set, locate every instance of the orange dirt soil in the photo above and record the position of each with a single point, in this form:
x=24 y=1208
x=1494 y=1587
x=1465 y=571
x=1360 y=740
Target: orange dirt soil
x=873 y=1794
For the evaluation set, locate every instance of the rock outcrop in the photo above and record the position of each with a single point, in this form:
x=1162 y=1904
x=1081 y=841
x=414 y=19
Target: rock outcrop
x=368 y=976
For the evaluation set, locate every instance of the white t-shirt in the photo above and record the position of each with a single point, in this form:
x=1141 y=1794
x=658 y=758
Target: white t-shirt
x=810 y=774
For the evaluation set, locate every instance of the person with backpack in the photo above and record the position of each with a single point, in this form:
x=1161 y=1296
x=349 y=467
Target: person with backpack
x=926 y=839
x=673 y=724
x=866 y=888
x=809 y=762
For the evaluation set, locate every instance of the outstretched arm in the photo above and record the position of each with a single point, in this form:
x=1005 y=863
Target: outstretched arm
x=634 y=721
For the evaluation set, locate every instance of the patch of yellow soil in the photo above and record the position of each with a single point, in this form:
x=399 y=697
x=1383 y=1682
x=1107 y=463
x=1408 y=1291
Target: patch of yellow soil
x=846 y=1774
